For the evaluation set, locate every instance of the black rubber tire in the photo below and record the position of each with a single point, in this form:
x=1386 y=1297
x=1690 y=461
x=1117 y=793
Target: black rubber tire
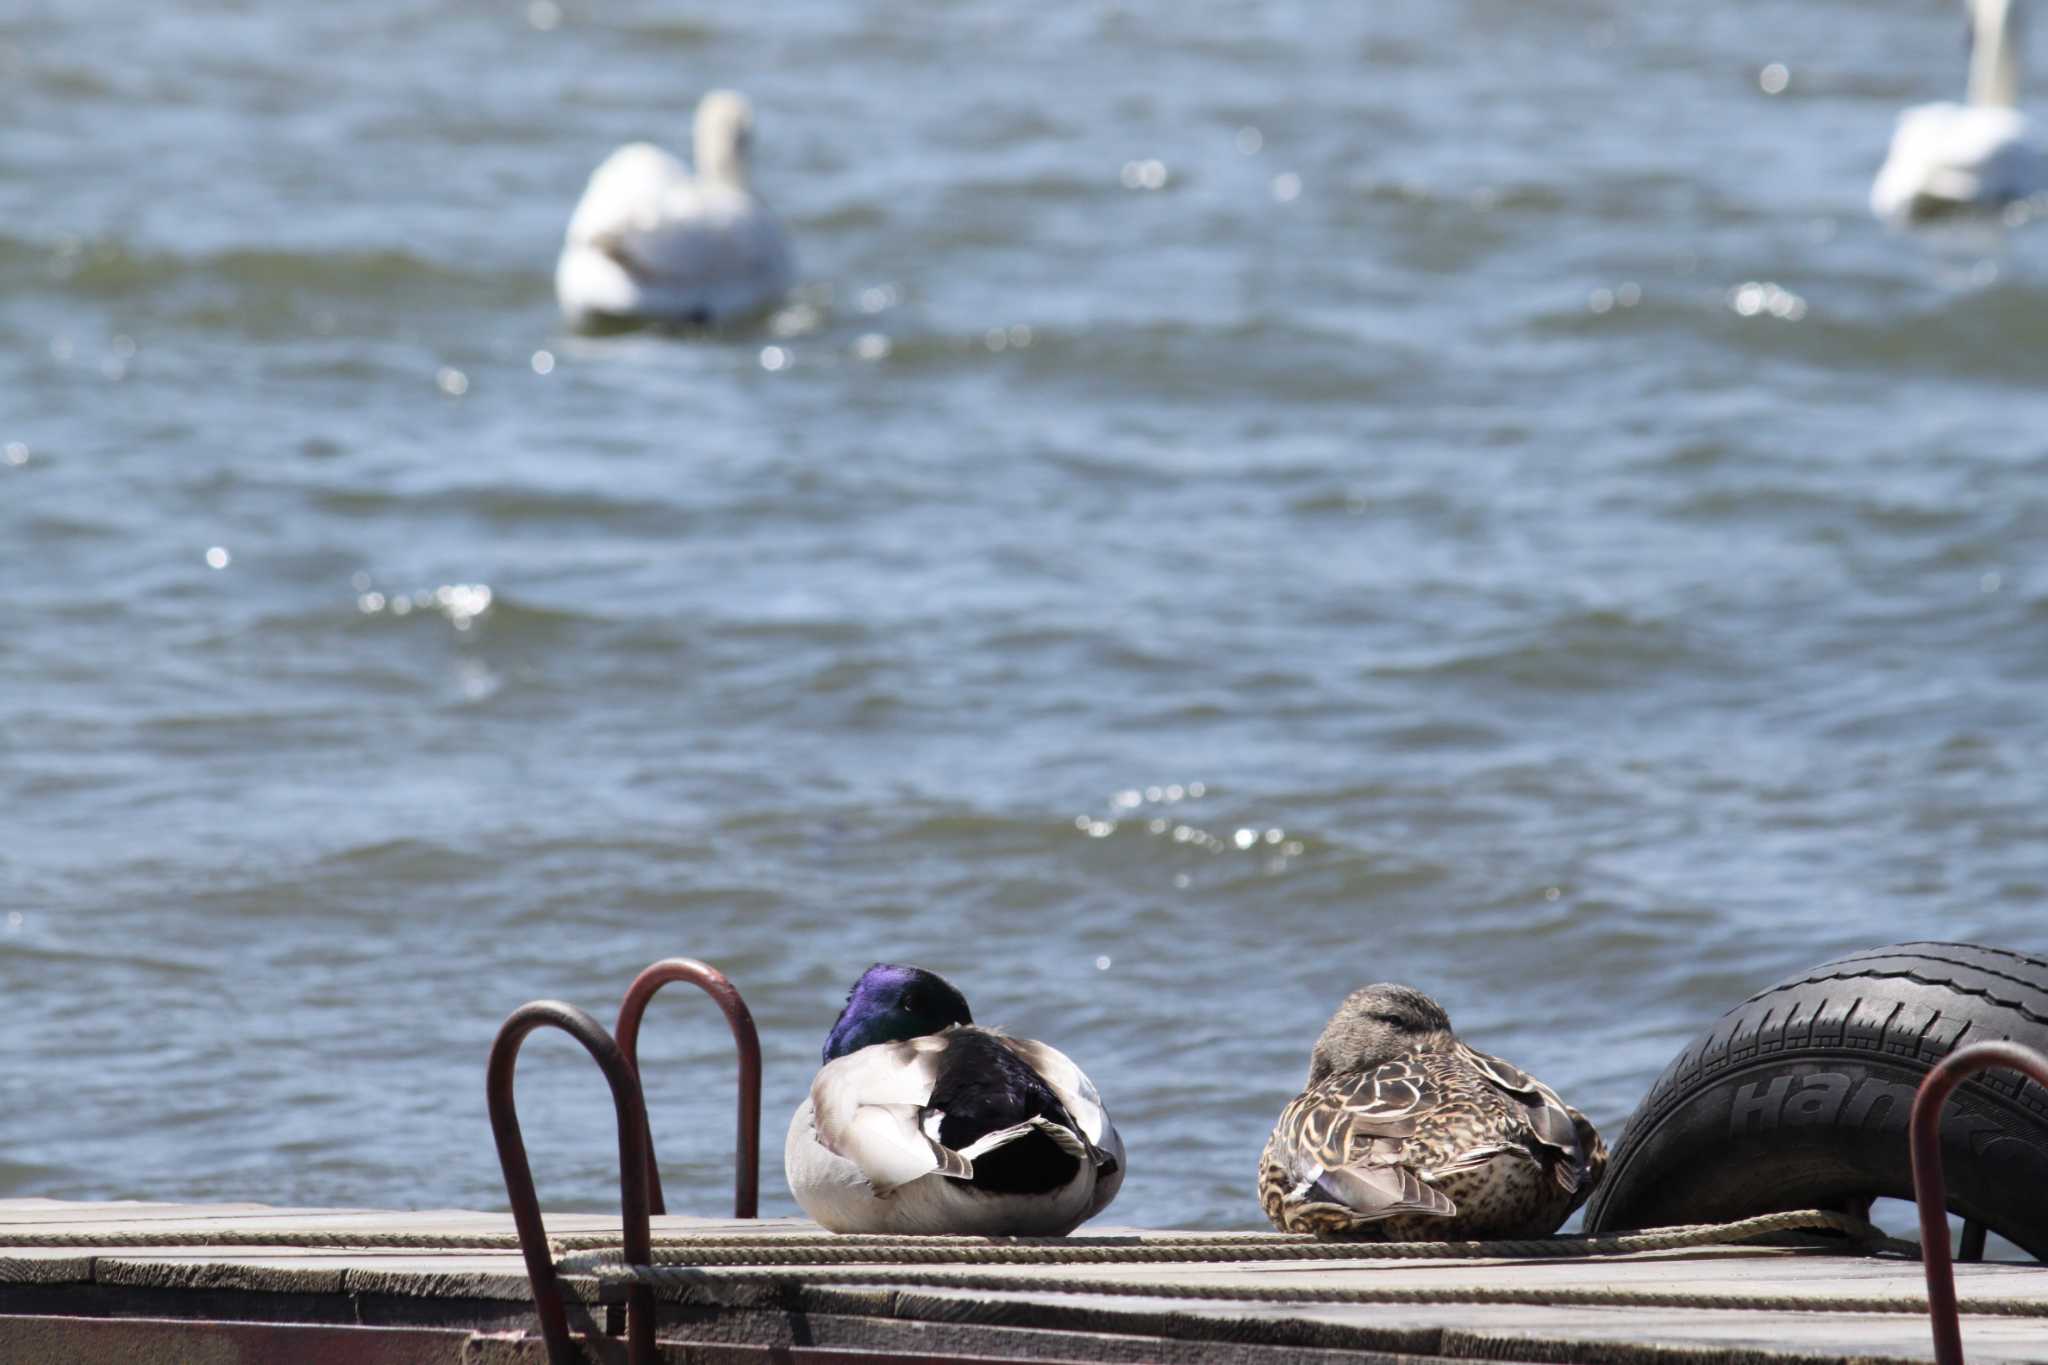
x=1799 y=1096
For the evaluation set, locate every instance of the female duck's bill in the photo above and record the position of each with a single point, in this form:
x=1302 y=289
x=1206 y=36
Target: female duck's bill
x=651 y=243
x=1405 y=1133
x=920 y=1122
x=1948 y=158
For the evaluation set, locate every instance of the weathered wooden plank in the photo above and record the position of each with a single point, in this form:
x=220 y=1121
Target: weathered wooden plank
x=88 y=1341
x=314 y=1284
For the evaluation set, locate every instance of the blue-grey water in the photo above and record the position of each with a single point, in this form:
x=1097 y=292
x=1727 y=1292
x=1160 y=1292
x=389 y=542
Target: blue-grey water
x=1250 y=500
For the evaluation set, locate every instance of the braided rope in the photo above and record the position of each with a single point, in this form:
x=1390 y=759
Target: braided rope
x=824 y=1248
x=807 y=1250
x=677 y=1276
x=683 y=1260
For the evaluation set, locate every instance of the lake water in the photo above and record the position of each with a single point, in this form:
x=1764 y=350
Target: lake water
x=1251 y=500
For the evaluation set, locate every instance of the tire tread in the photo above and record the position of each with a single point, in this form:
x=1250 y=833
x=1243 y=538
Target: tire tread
x=1900 y=1005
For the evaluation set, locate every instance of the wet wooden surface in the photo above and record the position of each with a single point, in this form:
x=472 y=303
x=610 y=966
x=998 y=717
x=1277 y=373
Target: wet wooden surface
x=488 y=1288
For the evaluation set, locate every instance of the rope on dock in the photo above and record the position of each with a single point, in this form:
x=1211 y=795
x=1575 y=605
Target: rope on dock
x=720 y=1260
x=811 y=1250
x=733 y=1248
x=1538 y=1296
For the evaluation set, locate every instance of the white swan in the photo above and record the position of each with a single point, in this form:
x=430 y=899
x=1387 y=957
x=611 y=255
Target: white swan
x=1947 y=158
x=650 y=243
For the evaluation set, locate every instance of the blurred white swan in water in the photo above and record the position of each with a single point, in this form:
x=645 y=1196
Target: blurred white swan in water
x=651 y=243
x=1976 y=155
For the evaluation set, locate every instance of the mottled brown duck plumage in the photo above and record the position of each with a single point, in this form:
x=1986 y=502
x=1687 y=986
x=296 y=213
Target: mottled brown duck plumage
x=1405 y=1133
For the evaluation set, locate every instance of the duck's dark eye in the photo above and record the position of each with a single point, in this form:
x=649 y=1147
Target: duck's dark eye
x=1392 y=1020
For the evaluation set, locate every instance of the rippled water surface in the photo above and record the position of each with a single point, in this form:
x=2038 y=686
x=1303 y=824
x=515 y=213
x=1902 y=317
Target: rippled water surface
x=1251 y=500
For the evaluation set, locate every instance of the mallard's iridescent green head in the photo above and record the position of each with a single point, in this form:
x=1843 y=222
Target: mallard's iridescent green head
x=1376 y=1024
x=891 y=1003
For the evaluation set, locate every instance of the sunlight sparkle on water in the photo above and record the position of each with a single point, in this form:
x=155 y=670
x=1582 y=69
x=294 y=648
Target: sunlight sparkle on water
x=1761 y=298
x=774 y=358
x=1149 y=174
x=1286 y=187
x=543 y=362
x=461 y=603
x=217 y=557
x=15 y=453
x=1249 y=140
x=451 y=381
x=1773 y=79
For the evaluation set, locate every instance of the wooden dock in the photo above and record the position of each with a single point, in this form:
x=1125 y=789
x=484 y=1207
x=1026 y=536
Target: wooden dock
x=216 y=1301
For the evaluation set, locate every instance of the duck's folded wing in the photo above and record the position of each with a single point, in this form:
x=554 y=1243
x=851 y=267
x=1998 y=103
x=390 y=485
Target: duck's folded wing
x=1084 y=1104
x=869 y=1107
x=1342 y=1141
x=1071 y=1085
x=1375 y=1192
x=890 y=1145
x=1552 y=1123
x=1386 y=1102
x=1356 y=1120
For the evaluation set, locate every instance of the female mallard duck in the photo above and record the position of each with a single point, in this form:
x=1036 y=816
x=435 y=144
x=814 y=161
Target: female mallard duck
x=920 y=1122
x=1406 y=1134
x=649 y=242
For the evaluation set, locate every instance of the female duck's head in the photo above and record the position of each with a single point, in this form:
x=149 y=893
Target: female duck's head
x=1375 y=1025
x=890 y=1004
x=724 y=136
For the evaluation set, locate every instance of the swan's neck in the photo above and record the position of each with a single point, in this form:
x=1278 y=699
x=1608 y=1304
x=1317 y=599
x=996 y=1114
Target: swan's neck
x=721 y=157
x=1994 y=62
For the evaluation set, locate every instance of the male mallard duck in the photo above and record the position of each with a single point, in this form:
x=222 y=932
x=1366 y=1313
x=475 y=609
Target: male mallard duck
x=1406 y=1134
x=921 y=1122
x=1945 y=157
x=650 y=243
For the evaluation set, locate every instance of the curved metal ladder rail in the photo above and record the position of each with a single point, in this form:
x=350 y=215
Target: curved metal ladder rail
x=746 y=1177
x=634 y=1163
x=1930 y=1187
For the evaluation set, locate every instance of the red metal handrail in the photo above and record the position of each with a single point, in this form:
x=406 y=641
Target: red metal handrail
x=1930 y=1189
x=634 y=1164
x=746 y=1176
